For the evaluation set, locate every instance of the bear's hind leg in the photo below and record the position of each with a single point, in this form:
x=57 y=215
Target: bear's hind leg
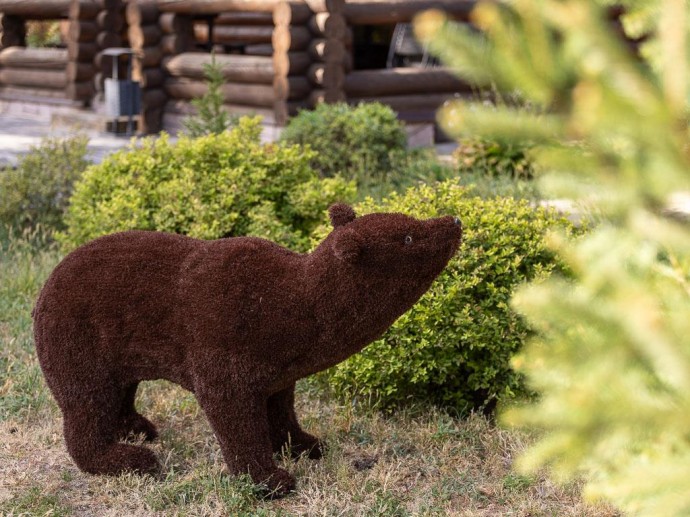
x=132 y=422
x=285 y=429
x=91 y=422
x=239 y=422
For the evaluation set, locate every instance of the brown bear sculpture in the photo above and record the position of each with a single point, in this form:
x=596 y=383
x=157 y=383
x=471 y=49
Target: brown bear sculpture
x=235 y=321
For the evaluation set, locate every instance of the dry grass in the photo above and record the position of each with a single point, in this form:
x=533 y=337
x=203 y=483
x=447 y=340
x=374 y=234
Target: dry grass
x=416 y=462
x=408 y=464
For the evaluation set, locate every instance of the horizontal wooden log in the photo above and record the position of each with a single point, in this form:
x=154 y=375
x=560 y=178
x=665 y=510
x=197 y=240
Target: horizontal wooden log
x=79 y=72
x=39 y=58
x=229 y=34
x=83 y=31
x=108 y=40
x=22 y=93
x=111 y=21
x=150 y=57
x=153 y=98
x=291 y=88
x=291 y=13
x=244 y=18
x=176 y=44
x=185 y=108
x=151 y=121
x=290 y=38
x=283 y=110
x=172 y=23
x=328 y=25
x=319 y=96
x=82 y=52
x=141 y=36
x=55 y=79
x=36 y=9
x=256 y=95
x=235 y=67
x=215 y=6
x=326 y=6
x=402 y=81
x=80 y=91
x=327 y=50
x=260 y=49
x=418 y=102
x=84 y=9
x=149 y=77
x=139 y=13
x=291 y=63
x=327 y=75
x=372 y=12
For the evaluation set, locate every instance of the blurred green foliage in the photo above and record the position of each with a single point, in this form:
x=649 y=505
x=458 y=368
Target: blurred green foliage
x=612 y=355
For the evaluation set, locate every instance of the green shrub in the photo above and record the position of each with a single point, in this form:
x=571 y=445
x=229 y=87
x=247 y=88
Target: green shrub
x=353 y=141
x=37 y=192
x=454 y=347
x=493 y=158
x=214 y=186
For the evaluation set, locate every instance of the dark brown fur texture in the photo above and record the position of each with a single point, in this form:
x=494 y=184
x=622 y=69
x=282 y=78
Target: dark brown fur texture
x=236 y=321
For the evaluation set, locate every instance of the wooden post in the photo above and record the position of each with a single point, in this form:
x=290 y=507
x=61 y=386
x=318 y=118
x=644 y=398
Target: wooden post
x=82 y=48
x=13 y=31
x=328 y=50
x=291 y=62
x=145 y=34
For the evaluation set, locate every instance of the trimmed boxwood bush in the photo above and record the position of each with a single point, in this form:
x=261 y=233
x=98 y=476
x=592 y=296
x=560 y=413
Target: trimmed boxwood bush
x=356 y=142
x=454 y=347
x=214 y=186
x=36 y=193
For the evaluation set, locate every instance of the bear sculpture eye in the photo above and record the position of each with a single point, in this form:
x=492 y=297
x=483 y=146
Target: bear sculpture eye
x=408 y=239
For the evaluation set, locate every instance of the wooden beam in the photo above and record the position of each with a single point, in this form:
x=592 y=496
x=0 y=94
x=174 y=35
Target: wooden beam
x=291 y=13
x=42 y=58
x=256 y=95
x=290 y=38
x=235 y=67
x=36 y=9
x=372 y=12
x=54 y=79
x=244 y=18
x=402 y=81
x=228 y=34
x=216 y=6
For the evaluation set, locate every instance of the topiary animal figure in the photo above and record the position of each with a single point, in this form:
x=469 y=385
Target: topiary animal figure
x=236 y=321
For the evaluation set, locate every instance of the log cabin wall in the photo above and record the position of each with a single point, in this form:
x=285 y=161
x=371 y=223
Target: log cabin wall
x=60 y=76
x=145 y=37
x=415 y=93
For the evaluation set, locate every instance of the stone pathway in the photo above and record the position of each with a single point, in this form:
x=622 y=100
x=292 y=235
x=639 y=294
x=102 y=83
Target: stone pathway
x=18 y=135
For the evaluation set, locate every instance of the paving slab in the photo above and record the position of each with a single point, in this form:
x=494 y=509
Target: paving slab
x=18 y=135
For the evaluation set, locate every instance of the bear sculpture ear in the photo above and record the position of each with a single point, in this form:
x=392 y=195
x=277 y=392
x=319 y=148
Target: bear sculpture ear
x=347 y=246
x=341 y=214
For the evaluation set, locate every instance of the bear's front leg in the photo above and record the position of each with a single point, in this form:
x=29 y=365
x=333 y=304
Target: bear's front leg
x=239 y=421
x=285 y=429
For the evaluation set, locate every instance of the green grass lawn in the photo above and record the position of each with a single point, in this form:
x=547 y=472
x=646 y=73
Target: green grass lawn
x=418 y=461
